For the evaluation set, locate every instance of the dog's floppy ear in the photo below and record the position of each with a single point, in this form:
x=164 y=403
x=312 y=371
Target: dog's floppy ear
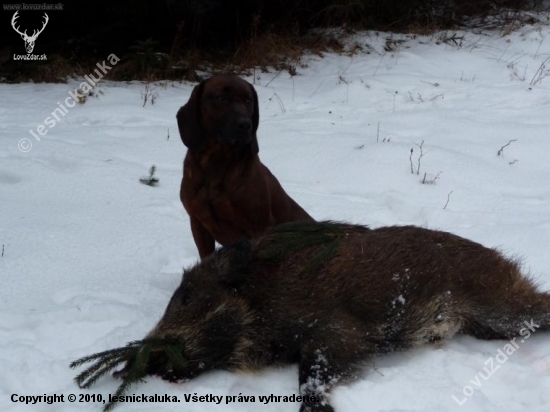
x=255 y=123
x=191 y=131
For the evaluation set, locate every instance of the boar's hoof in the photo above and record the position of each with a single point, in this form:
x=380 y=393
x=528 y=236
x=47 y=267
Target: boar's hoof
x=316 y=407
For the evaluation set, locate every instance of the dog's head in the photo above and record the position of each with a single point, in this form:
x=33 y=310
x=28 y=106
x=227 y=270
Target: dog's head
x=223 y=108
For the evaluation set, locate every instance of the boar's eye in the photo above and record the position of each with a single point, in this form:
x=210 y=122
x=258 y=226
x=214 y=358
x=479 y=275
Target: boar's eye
x=185 y=297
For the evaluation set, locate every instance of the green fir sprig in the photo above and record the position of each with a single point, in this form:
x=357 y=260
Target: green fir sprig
x=289 y=238
x=137 y=355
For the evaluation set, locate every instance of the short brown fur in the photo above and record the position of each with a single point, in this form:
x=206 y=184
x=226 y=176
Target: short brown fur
x=247 y=307
x=227 y=192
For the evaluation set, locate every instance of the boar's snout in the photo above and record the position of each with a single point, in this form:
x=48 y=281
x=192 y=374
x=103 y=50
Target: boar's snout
x=213 y=332
x=207 y=315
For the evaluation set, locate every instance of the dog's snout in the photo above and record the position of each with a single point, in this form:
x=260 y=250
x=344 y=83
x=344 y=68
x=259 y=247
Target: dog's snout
x=244 y=124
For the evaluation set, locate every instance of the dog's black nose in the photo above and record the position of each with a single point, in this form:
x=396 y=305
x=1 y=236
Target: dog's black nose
x=244 y=124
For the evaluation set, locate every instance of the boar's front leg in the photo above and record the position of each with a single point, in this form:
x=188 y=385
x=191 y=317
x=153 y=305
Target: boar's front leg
x=317 y=377
x=326 y=362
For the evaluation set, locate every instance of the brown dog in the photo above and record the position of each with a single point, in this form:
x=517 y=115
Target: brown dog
x=228 y=193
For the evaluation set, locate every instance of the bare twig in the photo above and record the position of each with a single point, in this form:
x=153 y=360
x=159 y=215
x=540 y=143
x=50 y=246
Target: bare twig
x=501 y=150
x=342 y=79
x=433 y=84
x=151 y=180
x=420 y=146
x=347 y=91
x=378 y=132
x=145 y=95
x=540 y=74
x=411 y=160
x=504 y=52
x=317 y=88
x=149 y=93
x=448 y=198
x=274 y=77
x=376 y=369
x=281 y=104
x=377 y=67
x=430 y=180
x=538 y=48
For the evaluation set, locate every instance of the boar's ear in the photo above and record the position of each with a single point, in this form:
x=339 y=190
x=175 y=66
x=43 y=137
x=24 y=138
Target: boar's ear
x=234 y=263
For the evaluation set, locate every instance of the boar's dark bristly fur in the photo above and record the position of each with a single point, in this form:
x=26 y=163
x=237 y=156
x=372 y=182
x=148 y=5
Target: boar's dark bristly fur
x=329 y=296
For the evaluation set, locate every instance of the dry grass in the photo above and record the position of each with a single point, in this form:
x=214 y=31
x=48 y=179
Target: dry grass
x=282 y=52
x=280 y=45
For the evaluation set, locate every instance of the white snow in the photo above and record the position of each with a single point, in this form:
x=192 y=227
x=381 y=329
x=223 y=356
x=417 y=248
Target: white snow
x=91 y=256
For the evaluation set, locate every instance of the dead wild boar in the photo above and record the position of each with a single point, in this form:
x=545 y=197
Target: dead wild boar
x=329 y=295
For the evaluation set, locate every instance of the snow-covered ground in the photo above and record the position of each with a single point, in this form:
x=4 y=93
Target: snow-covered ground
x=90 y=256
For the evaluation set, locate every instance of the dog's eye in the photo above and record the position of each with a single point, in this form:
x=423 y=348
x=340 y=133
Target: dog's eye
x=248 y=101
x=221 y=99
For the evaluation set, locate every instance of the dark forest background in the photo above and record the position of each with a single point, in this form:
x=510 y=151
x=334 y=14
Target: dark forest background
x=171 y=39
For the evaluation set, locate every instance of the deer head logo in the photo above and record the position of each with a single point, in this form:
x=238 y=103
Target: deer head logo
x=29 y=40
